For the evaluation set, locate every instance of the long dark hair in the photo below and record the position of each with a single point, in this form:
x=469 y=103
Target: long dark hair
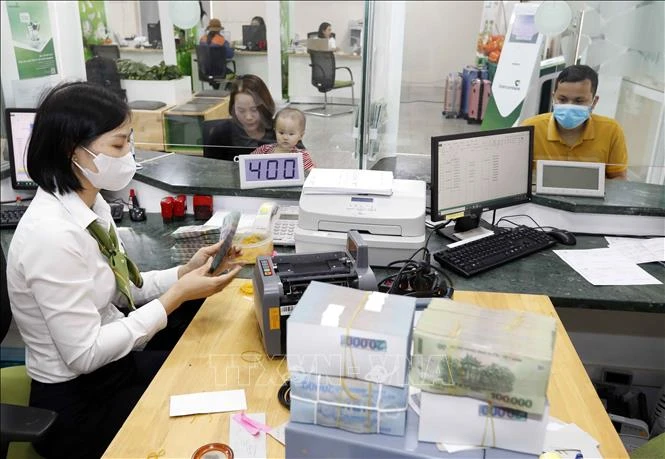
x=255 y=87
x=322 y=28
x=69 y=115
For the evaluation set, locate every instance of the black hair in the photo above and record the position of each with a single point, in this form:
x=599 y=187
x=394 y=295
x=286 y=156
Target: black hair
x=70 y=115
x=322 y=28
x=576 y=73
x=260 y=20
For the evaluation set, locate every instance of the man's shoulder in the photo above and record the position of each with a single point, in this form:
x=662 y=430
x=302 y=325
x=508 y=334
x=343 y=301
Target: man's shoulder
x=539 y=120
x=605 y=122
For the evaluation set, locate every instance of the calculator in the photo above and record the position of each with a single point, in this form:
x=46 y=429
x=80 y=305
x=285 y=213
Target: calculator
x=284 y=225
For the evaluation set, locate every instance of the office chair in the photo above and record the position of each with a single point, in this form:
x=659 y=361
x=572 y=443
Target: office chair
x=312 y=35
x=19 y=423
x=323 y=79
x=213 y=69
x=104 y=71
x=108 y=51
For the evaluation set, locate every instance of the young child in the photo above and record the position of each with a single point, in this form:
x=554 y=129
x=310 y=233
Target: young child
x=289 y=130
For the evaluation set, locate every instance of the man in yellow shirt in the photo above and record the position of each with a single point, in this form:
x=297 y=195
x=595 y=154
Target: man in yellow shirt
x=571 y=132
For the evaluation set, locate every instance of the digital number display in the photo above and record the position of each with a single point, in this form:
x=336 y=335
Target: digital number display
x=271 y=169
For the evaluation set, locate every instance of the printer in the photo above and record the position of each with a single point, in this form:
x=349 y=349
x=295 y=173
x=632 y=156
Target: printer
x=279 y=282
x=393 y=226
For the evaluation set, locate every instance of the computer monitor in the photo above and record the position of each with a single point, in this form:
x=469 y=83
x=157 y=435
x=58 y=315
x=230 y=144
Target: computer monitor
x=108 y=51
x=479 y=171
x=155 y=34
x=19 y=123
x=254 y=37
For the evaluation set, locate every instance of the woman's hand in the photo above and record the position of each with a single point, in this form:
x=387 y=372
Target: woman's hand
x=198 y=283
x=203 y=254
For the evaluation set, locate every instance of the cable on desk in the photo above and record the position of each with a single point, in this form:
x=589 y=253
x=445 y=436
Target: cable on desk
x=418 y=278
x=506 y=217
x=284 y=395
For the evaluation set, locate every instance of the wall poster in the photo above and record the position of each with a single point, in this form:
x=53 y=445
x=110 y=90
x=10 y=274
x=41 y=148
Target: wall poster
x=32 y=38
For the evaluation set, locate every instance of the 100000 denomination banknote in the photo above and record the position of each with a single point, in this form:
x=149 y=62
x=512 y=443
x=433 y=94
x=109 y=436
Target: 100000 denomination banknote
x=447 y=366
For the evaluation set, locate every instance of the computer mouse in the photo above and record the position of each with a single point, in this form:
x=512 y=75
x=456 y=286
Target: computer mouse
x=562 y=236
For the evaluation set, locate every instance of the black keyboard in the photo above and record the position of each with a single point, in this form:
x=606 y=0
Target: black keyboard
x=10 y=215
x=494 y=250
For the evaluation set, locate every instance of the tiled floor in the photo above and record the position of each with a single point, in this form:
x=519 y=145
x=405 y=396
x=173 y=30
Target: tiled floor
x=331 y=143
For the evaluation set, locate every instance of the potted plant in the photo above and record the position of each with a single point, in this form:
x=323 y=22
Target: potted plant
x=162 y=82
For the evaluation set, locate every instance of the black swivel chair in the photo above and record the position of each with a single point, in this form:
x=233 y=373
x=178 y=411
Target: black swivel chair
x=104 y=71
x=18 y=422
x=323 y=79
x=110 y=51
x=312 y=35
x=212 y=64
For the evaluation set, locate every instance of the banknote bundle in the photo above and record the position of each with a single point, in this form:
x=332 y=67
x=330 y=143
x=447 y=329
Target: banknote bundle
x=500 y=356
x=349 y=404
x=189 y=239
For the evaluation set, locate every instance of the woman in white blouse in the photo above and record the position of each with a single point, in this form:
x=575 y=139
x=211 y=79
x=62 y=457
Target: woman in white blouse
x=80 y=349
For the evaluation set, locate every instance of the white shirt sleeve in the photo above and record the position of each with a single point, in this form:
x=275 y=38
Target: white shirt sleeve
x=155 y=283
x=87 y=331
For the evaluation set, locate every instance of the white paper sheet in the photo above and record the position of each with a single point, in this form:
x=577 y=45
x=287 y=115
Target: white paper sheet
x=244 y=444
x=639 y=250
x=571 y=437
x=606 y=267
x=208 y=402
x=279 y=433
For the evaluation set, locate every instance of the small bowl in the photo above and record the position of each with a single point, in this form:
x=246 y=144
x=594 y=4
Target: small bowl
x=253 y=244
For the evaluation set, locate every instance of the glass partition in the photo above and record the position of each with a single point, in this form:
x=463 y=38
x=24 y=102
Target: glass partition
x=624 y=42
x=400 y=56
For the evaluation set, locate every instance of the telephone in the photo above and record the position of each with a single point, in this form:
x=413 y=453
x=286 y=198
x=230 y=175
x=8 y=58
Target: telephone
x=281 y=220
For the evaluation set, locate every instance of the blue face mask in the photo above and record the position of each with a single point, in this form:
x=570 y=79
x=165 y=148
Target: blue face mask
x=570 y=116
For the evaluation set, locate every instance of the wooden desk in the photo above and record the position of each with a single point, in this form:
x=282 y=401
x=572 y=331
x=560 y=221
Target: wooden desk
x=209 y=357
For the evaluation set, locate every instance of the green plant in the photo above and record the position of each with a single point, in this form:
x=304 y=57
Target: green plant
x=132 y=70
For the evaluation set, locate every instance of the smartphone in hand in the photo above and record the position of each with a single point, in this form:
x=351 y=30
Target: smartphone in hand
x=229 y=226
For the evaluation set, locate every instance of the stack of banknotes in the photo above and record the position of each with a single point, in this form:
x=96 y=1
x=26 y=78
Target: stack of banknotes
x=189 y=239
x=499 y=356
x=350 y=404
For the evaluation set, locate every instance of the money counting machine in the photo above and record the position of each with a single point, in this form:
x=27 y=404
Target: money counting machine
x=280 y=281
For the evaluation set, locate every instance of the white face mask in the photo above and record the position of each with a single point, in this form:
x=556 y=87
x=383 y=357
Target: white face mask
x=113 y=173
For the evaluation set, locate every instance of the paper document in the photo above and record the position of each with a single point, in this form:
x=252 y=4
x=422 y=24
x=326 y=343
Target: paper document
x=639 y=250
x=244 y=444
x=208 y=402
x=568 y=439
x=348 y=181
x=279 y=433
x=606 y=267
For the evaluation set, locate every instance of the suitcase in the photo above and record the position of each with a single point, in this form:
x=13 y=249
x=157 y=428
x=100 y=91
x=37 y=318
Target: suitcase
x=469 y=73
x=452 y=96
x=478 y=99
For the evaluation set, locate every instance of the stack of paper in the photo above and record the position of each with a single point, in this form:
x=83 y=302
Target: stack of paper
x=348 y=181
x=618 y=263
x=500 y=356
x=189 y=239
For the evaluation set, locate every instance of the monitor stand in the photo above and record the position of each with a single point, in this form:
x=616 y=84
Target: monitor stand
x=470 y=226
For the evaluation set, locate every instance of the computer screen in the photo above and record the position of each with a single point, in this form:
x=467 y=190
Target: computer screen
x=19 y=123
x=254 y=37
x=480 y=171
x=154 y=33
